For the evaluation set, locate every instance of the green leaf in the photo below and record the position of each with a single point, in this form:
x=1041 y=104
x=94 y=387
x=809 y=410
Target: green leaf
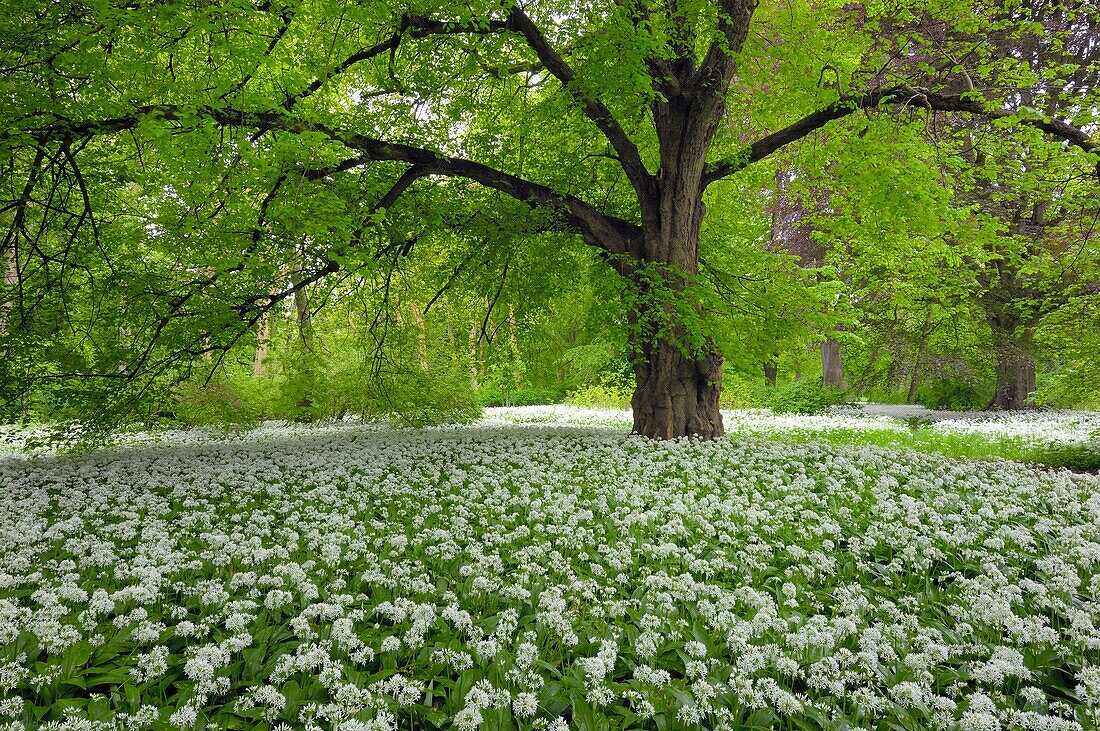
x=75 y=658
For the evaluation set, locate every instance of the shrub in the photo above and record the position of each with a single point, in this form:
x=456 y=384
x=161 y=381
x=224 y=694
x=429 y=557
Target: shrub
x=302 y=387
x=601 y=396
x=1077 y=456
x=805 y=397
x=740 y=391
x=952 y=395
x=439 y=395
x=501 y=395
x=223 y=400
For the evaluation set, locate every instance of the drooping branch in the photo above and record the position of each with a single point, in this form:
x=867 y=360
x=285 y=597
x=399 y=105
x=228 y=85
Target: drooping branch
x=909 y=96
x=264 y=302
x=613 y=234
x=422 y=27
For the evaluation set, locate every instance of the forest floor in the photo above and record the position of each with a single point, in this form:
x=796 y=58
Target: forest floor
x=542 y=569
x=912 y=411
x=1068 y=439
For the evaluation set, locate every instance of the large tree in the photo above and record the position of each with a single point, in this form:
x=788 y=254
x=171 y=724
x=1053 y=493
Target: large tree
x=297 y=133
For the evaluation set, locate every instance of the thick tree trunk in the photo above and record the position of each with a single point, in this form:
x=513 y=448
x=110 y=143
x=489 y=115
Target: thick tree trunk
x=1015 y=371
x=1015 y=383
x=677 y=394
x=832 y=369
x=676 y=387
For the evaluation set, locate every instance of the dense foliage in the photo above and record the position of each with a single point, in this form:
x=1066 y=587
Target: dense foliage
x=550 y=196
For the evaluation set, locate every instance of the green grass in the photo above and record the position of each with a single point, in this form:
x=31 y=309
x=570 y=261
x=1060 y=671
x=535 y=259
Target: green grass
x=1082 y=457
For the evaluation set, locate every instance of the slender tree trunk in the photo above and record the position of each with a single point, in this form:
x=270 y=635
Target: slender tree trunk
x=472 y=343
x=207 y=339
x=263 y=340
x=421 y=335
x=771 y=371
x=914 y=376
x=513 y=345
x=305 y=334
x=305 y=319
x=914 y=380
x=832 y=369
x=11 y=287
x=448 y=317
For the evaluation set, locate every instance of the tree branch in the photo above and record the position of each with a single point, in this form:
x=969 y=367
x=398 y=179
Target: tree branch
x=411 y=26
x=909 y=96
x=287 y=16
x=615 y=235
x=629 y=156
x=402 y=184
x=718 y=65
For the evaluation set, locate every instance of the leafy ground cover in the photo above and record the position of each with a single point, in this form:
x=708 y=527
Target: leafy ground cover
x=1068 y=439
x=542 y=576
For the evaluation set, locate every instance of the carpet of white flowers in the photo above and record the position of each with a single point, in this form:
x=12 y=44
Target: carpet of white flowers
x=1048 y=427
x=509 y=576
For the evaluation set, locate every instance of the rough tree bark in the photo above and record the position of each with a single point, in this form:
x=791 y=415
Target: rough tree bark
x=677 y=394
x=1012 y=320
x=677 y=386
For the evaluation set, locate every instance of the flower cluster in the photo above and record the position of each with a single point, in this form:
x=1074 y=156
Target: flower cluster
x=542 y=576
